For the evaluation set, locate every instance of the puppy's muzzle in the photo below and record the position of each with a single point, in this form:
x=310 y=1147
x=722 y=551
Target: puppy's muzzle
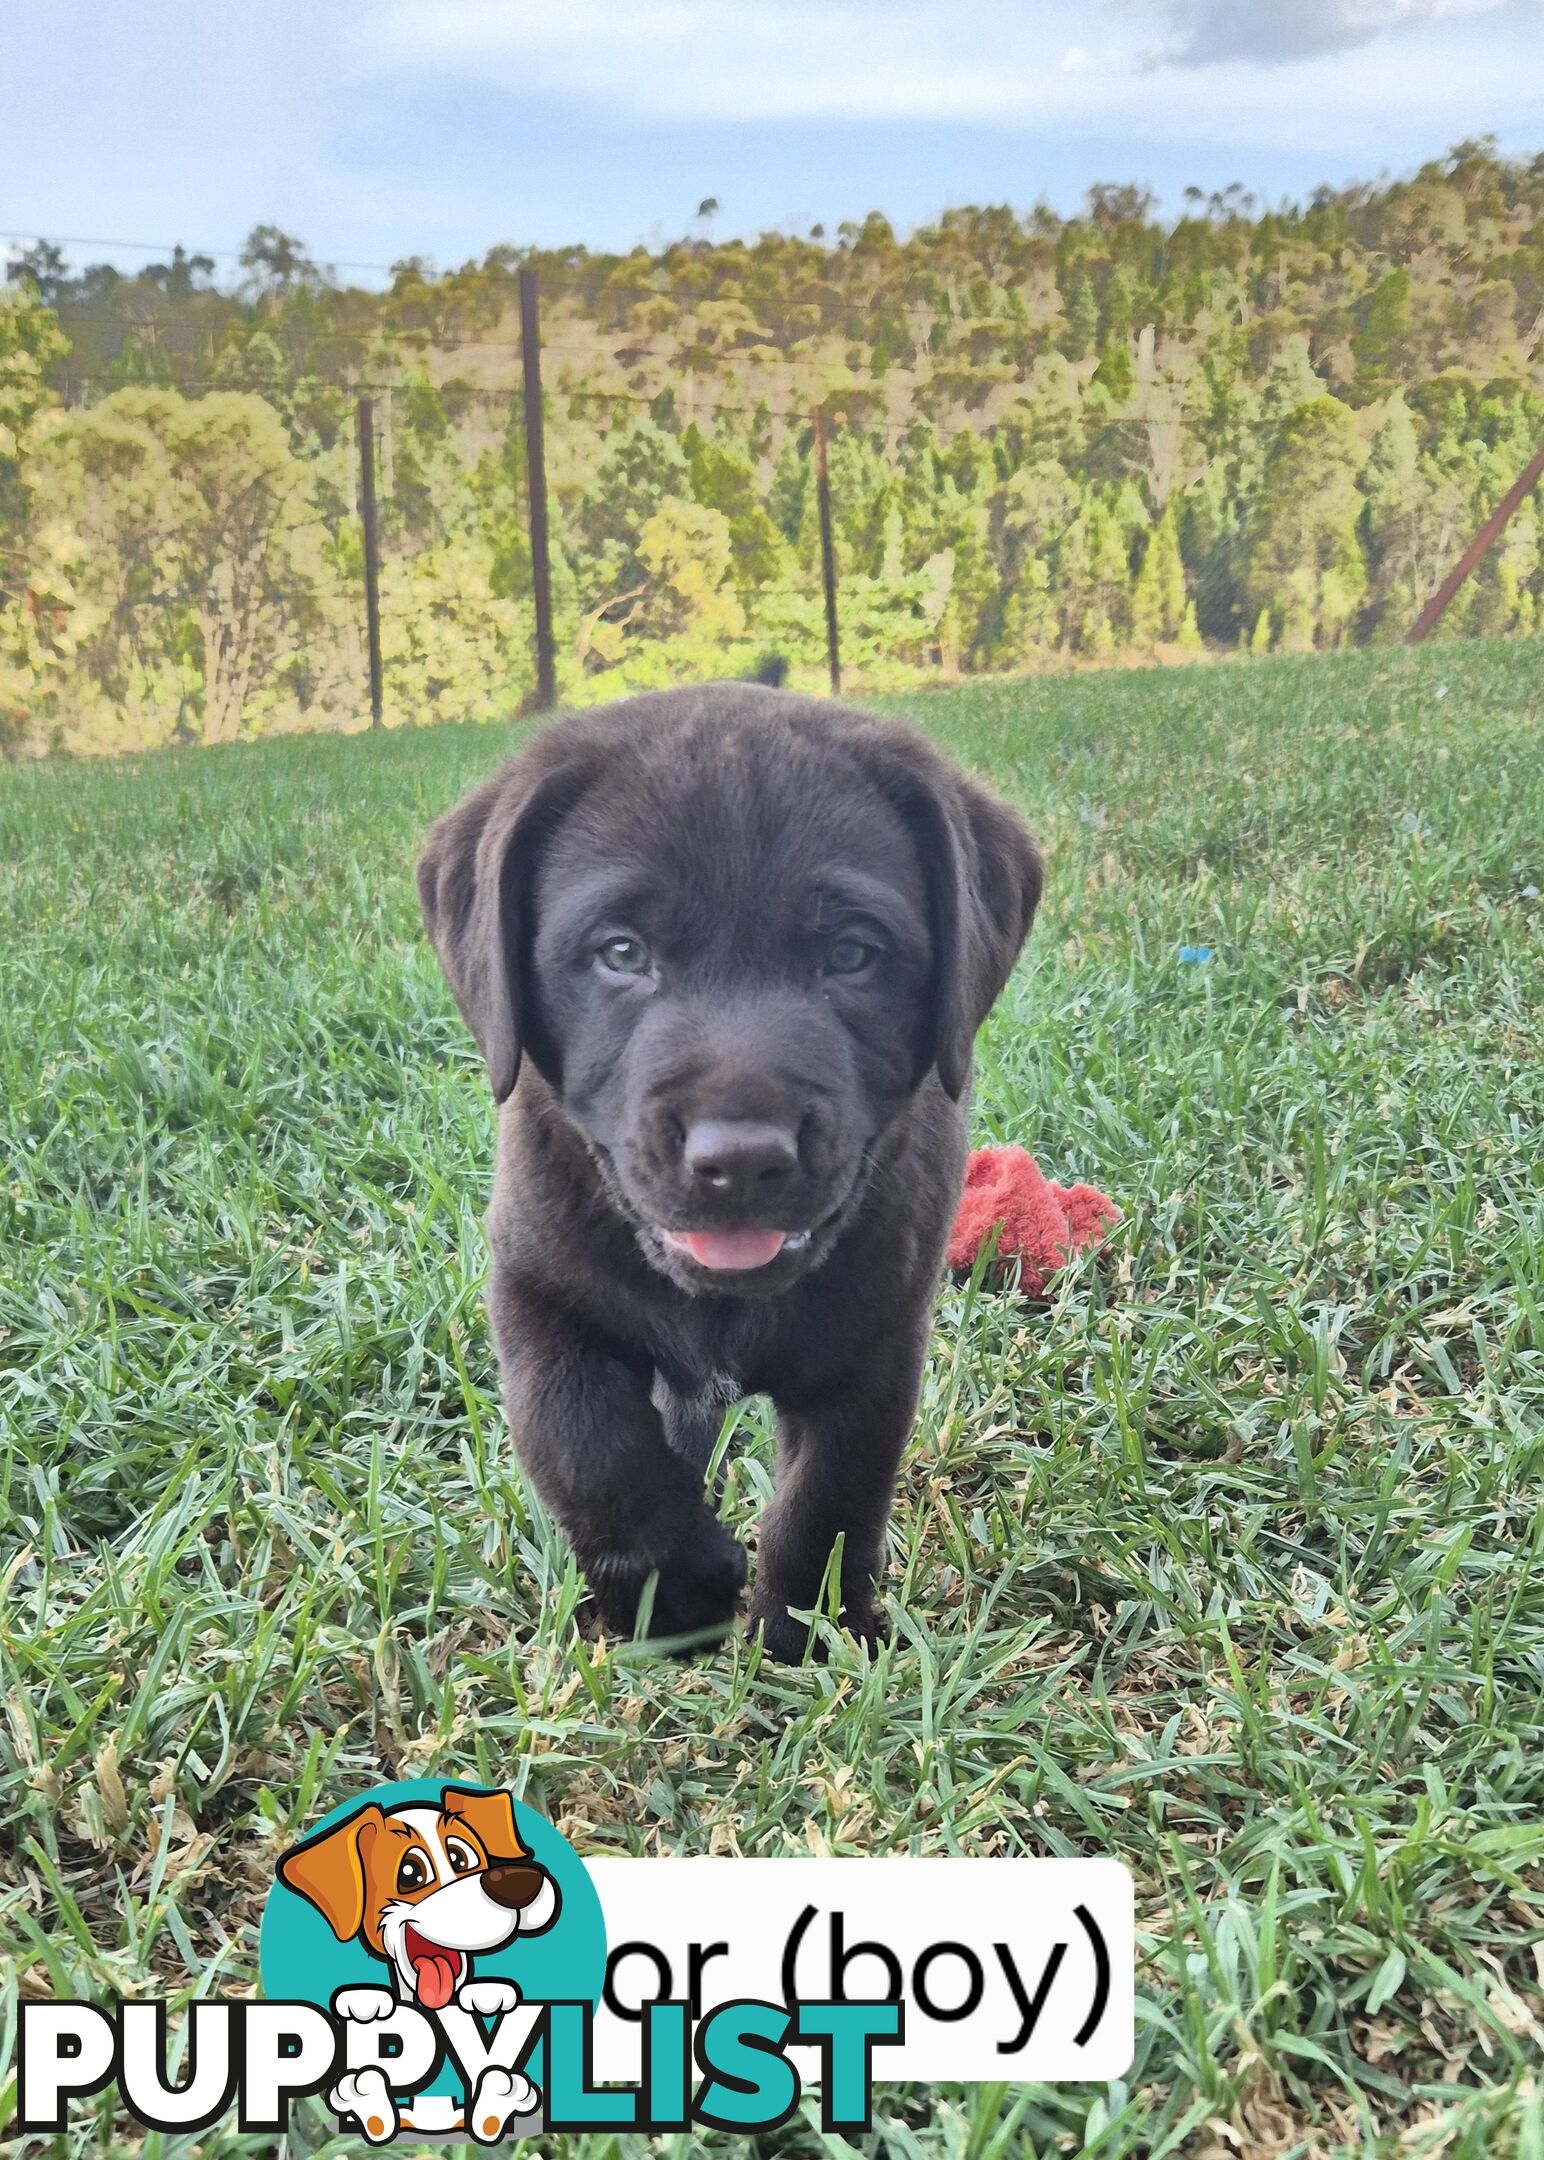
x=744 y=1163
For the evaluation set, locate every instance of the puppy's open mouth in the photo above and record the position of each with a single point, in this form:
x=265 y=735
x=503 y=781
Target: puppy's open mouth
x=436 y=1970
x=735 y=1251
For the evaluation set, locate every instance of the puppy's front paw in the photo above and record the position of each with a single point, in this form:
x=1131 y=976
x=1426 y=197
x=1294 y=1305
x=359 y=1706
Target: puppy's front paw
x=792 y=1641
x=697 y=1589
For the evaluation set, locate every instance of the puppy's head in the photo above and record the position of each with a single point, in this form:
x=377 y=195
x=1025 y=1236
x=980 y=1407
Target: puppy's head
x=423 y=1887
x=734 y=931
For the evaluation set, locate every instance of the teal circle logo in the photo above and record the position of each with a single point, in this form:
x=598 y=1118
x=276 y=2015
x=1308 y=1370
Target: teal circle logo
x=436 y=1896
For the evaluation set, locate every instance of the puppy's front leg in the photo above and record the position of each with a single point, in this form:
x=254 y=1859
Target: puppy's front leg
x=836 y=1465
x=592 y=1444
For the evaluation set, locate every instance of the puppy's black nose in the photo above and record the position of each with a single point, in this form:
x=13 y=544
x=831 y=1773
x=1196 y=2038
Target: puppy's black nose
x=512 y=1883
x=740 y=1158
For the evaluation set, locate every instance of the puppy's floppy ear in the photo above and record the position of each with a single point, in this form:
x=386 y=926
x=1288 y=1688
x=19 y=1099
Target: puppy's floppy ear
x=984 y=876
x=329 y=1870
x=490 y=1816
x=473 y=877
x=987 y=894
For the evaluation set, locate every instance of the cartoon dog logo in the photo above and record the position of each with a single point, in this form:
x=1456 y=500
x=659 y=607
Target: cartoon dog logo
x=425 y=1889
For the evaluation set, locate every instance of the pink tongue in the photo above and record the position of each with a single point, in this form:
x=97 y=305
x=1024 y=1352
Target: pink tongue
x=436 y=1975
x=733 y=1248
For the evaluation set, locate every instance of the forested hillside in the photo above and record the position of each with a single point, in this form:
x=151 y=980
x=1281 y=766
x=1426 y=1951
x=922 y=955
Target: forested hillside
x=1051 y=440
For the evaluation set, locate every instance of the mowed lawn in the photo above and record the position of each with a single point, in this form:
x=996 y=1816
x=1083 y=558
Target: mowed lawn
x=1226 y=1561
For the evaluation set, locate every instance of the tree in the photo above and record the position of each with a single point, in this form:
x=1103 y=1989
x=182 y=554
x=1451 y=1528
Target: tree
x=182 y=275
x=1289 y=382
x=34 y=593
x=1093 y=579
x=1082 y=319
x=641 y=467
x=1158 y=598
x=1120 y=307
x=275 y=259
x=860 y=505
x=30 y=342
x=193 y=552
x=43 y=267
x=686 y=553
x=1380 y=345
x=789 y=487
x=451 y=647
x=722 y=481
x=1115 y=373
x=1210 y=545
x=1304 y=560
x=1393 y=491
x=1028 y=515
x=1120 y=205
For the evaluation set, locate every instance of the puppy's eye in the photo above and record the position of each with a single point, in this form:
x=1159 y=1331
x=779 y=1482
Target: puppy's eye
x=849 y=956
x=462 y=1858
x=624 y=956
x=413 y=1873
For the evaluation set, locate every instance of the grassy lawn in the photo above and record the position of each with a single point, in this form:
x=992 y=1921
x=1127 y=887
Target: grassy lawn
x=1226 y=1562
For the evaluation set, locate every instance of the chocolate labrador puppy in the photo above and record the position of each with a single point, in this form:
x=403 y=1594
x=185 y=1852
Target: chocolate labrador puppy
x=724 y=951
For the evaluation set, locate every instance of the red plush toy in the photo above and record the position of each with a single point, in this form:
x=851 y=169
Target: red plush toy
x=1042 y=1224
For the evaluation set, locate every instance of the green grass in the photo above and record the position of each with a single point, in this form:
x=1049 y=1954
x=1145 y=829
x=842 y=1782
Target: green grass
x=1227 y=1562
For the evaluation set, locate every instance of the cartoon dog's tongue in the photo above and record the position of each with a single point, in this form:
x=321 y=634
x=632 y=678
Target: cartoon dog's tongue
x=729 y=1249
x=434 y=1970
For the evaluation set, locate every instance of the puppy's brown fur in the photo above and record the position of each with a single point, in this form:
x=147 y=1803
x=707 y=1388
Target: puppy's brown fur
x=650 y=920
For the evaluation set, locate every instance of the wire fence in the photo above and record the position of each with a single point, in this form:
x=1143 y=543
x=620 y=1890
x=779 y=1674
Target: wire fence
x=807 y=609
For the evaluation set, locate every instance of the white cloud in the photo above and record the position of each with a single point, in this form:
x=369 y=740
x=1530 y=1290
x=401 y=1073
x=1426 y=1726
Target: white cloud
x=1168 y=69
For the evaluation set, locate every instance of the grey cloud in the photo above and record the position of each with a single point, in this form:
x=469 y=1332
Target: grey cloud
x=1276 y=31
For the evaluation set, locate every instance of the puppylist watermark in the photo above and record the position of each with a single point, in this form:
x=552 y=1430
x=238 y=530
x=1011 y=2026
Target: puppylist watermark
x=437 y=1960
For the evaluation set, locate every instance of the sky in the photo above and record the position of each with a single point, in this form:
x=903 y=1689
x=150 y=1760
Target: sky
x=379 y=129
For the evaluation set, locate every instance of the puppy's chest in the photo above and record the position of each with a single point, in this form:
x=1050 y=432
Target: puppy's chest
x=711 y=1357
x=708 y=1398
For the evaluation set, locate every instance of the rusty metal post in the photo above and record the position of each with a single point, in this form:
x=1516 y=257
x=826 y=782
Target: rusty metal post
x=827 y=551
x=1479 y=547
x=536 y=490
x=367 y=514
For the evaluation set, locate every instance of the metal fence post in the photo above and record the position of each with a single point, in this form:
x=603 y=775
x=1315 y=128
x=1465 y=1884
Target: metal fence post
x=367 y=515
x=827 y=551
x=536 y=490
x=1479 y=547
